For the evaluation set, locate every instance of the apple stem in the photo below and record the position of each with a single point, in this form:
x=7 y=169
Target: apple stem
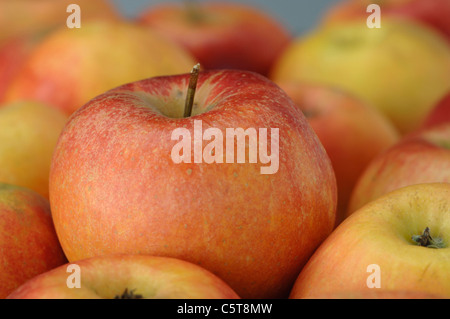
x=425 y=240
x=191 y=90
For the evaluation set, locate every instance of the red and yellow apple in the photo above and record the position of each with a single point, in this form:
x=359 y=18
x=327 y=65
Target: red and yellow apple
x=28 y=242
x=29 y=131
x=401 y=68
x=422 y=157
x=433 y=13
x=126 y=277
x=71 y=66
x=116 y=188
x=352 y=132
x=221 y=35
x=379 y=245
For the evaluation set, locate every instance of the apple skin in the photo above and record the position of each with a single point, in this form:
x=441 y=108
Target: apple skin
x=107 y=277
x=28 y=242
x=439 y=114
x=26 y=17
x=29 y=131
x=115 y=189
x=421 y=157
x=351 y=132
x=69 y=67
x=221 y=35
x=357 y=59
x=433 y=13
x=380 y=233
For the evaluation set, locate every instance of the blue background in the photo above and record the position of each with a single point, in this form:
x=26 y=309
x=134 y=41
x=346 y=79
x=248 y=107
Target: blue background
x=298 y=16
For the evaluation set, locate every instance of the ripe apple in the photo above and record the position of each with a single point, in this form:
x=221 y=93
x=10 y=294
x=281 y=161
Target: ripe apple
x=71 y=66
x=439 y=114
x=401 y=68
x=379 y=245
x=221 y=35
x=423 y=157
x=116 y=188
x=28 y=242
x=25 y=17
x=433 y=13
x=126 y=277
x=29 y=131
x=352 y=132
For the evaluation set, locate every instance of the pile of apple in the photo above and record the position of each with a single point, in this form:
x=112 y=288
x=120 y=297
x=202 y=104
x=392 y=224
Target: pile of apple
x=93 y=206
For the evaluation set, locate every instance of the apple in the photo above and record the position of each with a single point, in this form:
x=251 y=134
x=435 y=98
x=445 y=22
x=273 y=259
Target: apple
x=29 y=131
x=401 y=68
x=26 y=17
x=120 y=183
x=221 y=35
x=432 y=13
x=393 y=243
x=352 y=132
x=439 y=114
x=126 y=277
x=422 y=157
x=28 y=242
x=71 y=66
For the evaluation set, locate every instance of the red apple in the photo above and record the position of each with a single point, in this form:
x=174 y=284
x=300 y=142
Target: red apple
x=423 y=157
x=433 y=13
x=398 y=242
x=71 y=66
x=352 y=132
x=115 y=186
x=373 y=294
x=28 y=242
x=126 y=277
x=439 y=114
x=221 y=35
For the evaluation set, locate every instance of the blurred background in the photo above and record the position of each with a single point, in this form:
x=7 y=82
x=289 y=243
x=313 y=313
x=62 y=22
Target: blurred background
x=298 y=16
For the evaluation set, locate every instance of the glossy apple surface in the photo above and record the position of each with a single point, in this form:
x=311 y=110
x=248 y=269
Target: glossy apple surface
x=115 y=188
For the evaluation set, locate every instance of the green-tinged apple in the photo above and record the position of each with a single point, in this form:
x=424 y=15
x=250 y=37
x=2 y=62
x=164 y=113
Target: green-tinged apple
x=221 y=35
x=439 y=114
x=29 y=131
x=121 y=183
x=433 y=13
x=26 y=17
x=28 y=242
x=352 y=132
x=398 y=242
x=126 y=277
x=421 y=157
x=71 y=66
x=401 y=68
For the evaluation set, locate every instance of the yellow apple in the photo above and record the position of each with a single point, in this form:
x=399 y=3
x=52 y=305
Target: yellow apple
x=29 y=131
x=402 y=68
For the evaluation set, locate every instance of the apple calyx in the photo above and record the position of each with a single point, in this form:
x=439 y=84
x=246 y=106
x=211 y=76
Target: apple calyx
x=425 y=240
x=191 y=90
x=128 y=295
x=193 y=12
